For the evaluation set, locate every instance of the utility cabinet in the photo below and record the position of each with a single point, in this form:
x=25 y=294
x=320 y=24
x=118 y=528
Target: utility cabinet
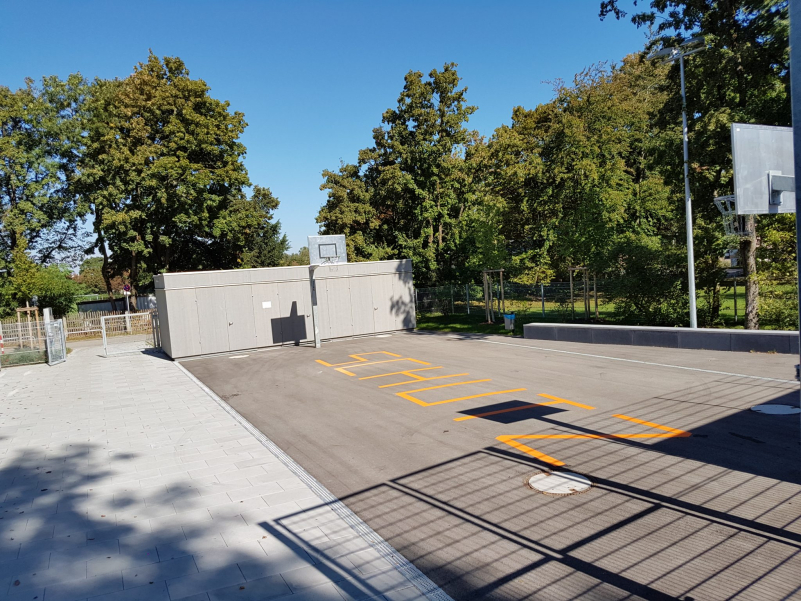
x=207 y=312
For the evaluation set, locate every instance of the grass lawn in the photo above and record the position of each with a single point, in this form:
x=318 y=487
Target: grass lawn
x=528 y=311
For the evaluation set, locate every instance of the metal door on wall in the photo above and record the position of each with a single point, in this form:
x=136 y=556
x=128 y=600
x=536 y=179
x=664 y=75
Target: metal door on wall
x=241 y=323
x=333 y=300
x=361 y=306
x=213 y=320
x=383 y=311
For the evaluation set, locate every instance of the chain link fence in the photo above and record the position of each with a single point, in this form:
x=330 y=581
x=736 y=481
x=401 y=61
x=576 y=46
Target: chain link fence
x=556 y=301
x=591 y=301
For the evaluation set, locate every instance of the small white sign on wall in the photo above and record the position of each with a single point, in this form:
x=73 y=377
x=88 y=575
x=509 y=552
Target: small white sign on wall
x=266 y=304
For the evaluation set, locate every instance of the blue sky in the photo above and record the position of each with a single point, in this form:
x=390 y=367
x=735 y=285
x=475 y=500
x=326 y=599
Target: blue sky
x=313 y=78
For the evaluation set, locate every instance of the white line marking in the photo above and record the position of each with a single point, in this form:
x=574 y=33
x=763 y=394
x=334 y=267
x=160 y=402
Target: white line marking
x=238 y=356
x=707 y=371
x=13 y=392
x=26 y=373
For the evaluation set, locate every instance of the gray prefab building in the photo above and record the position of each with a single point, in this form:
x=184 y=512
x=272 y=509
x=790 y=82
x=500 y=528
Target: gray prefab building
x=207 y=312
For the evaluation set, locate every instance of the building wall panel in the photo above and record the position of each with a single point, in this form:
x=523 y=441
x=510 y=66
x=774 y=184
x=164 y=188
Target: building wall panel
x=296 y=323
x=266 y=314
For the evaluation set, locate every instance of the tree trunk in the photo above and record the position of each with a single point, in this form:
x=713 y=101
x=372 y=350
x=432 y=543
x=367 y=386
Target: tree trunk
x=106 y=271
x=132 y=278
x=747 y=255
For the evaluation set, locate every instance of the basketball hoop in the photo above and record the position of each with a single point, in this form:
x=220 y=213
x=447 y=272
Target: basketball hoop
x=733 y=224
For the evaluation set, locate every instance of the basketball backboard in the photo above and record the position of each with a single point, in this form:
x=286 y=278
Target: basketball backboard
x=324 y=250
x=763 y=169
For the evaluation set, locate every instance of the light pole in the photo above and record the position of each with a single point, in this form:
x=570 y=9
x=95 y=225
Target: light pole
x=670 y=55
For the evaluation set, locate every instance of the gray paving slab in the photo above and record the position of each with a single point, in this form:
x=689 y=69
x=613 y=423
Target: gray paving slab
x=694 y=496
x=121 y=478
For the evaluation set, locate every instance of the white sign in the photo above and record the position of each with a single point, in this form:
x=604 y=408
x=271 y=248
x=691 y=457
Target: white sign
x=266 y=304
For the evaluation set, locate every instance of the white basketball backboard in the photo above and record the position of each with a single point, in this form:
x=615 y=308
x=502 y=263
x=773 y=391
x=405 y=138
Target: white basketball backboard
x=324 y=250
x=763 y=159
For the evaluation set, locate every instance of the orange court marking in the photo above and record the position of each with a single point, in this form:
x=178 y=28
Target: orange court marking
x=407 y=394
x=555 y=401
x=422 y=379
x=359 y=358
x=350 y=373
x=396 y=373
x=512 y=442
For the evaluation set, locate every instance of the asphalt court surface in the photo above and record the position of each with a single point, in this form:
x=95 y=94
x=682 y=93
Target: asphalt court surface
x=430 y=439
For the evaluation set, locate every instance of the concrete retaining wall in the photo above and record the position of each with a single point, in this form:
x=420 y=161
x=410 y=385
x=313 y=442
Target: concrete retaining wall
x=760 y=341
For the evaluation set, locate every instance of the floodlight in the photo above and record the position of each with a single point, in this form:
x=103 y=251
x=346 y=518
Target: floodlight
x=662 y=53
x=670 y=55
x=694 y=41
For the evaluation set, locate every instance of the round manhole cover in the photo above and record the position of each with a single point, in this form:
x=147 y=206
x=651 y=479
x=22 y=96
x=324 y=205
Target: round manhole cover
x=776 y=409
x=560 y=483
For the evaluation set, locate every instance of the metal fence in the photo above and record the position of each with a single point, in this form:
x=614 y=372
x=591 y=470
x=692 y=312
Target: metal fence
x=22 y=343
x=56 y=342
x=86 y=325
x=130 y=333
x=561 y=301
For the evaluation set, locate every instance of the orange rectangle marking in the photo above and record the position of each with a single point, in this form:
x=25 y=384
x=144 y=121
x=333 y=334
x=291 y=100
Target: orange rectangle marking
x=349 y=373
x=397 y=373
x=499 y=411
x=359 y=358
x=565 y=401
x=422 y=380
x=675 y=431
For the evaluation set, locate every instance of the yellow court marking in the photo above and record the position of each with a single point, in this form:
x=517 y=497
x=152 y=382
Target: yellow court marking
x=350 y=373
x=474 y=396
x=512 y=440
x=396 y=373
x=422 y=379
x=359 y=358
x=407 y=394
x=556 y=400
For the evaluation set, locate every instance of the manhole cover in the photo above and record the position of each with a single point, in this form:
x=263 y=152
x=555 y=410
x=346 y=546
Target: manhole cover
x=776 y=409
x=560 y=483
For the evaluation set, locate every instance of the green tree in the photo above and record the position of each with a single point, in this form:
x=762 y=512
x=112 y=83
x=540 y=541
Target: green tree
x=577 y=174
x=742 y=76
x=299 y=258
x=40 y=141
x=413 y=194
x=163 y=174
x=51 y=286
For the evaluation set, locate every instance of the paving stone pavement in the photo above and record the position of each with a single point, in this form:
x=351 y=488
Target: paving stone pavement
x=120 y=478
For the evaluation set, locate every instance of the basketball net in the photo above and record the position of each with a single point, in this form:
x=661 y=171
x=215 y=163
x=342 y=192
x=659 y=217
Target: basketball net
x=733 y=224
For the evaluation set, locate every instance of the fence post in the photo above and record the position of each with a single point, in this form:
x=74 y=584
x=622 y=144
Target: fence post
x=595 y=293
x=452 y=299
x=735 y=300
x=467 y=295
x=542 y=297
x=572 y=304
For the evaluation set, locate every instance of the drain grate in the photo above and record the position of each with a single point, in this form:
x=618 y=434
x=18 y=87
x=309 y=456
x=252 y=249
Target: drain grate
x=770 y=409
x=559 y=484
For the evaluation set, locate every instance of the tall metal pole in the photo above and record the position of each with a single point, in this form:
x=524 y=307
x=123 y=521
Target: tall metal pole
x=688 y=204
x=795 y=90
x=315 y=314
